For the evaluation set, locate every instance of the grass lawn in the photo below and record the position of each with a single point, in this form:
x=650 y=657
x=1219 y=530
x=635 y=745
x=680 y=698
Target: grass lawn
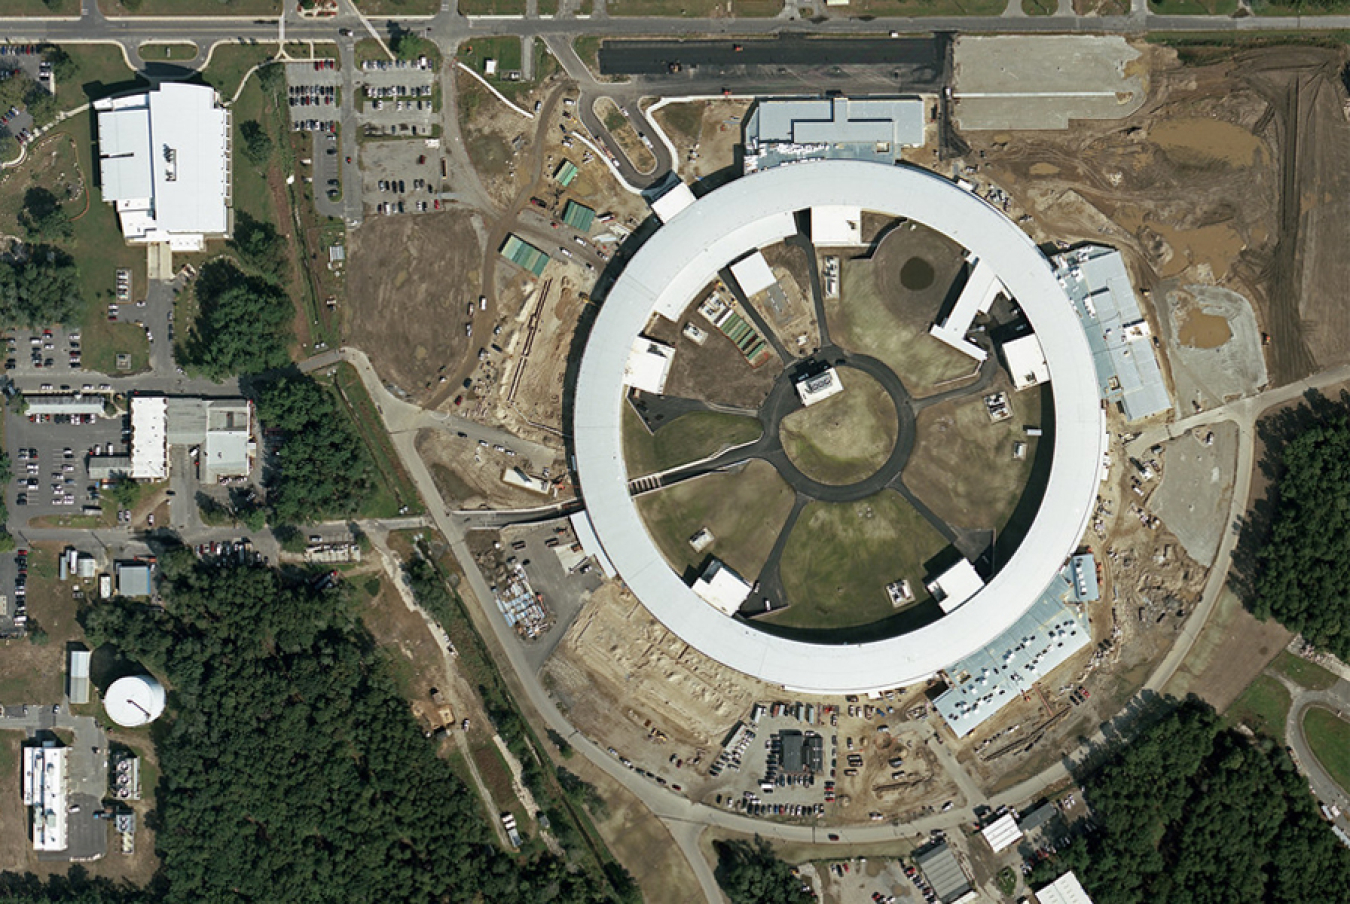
x=1193 y=7
x=1302 y=672
x=846 y=437
x=682 y=121
x=1329 y=738
x=505 y=50
x=926 y=7
x=399 y=7
x=41 y=8
x=588 y=49
x=65 y=157
x=1300 y=9
x=166 y=52
x=689 y=437
x=191 y=7
x=841 y=556
x=231 y=62
x=100 y=70
x=547 y=7
x=744 y=511
x=1263 y=707
x=1039 y=7
x=861 y=322
x=492 y=7
x=700 y=9
x=396 y=488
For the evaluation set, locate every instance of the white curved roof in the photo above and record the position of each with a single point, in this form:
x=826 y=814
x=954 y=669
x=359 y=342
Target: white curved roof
x=134 y=700
x=679 y=261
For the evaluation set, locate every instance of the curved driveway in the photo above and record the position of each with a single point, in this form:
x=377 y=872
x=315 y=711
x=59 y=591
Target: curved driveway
x=681 y=259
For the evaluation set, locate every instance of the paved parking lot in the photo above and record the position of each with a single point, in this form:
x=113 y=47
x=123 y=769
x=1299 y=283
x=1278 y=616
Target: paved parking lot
x=564 y=592
x=403 y=172
x=312 y=94
x=399 y=100
x=45 y=464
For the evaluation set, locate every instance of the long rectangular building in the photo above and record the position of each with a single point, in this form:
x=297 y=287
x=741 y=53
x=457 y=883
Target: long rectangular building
x=46 y=790
x=872 y=128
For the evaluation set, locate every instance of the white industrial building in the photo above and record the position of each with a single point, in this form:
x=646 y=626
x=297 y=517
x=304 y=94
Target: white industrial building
x=956 y=585
x=164 y=164
x=753 y=274
x=836 y=226
x=1026 y=362
x=220 y=429
x=792 y=130
x=46 y=790
x=977 y=296
x=1064 y=890
x=1002 y=833
x=674 y=268
x=134 y=700
x=77 y=676
x=819 y=386
x=648 y=365
x=721 y=588
x=676 y=199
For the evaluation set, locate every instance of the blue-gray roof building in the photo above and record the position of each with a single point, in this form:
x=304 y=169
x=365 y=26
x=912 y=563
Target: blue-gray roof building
x=1120 y=338
x=816 y=128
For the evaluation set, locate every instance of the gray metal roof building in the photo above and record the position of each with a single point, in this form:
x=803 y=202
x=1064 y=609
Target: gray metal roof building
x=77 y=688
x=1122 y=348
x=64 y=404
x=133 y=579
x=875 y=129
x=667 y=274
x=943 y=872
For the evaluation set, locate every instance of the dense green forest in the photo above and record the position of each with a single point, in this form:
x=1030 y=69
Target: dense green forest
x=1193 y=812
x=1303 y=578
x=324 y=470
x=750 y=873
x=41 y=288
x=291 y=770
x=243 y=326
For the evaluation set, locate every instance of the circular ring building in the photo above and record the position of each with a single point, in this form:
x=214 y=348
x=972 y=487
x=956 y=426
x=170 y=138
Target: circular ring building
x=680 y=261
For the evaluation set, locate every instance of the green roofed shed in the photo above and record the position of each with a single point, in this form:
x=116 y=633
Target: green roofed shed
x=522 y=253
x=578 y=216
x=565 y=173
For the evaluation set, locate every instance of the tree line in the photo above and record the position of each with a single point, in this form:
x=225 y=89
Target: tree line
x=291 y=769
x=1194 y=812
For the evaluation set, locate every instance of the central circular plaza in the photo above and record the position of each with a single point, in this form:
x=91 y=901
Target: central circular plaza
x=832 y=461
x=846 y=438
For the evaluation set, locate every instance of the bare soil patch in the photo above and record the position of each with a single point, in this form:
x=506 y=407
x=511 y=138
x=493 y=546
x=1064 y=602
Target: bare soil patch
x=470 y=476
x=1232 y=650
x=715 y=371
x=411 y=282
x=705 y=134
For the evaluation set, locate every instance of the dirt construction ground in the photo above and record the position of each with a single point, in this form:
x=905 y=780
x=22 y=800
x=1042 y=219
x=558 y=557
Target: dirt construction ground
x=1235 y=173
x=410 y=283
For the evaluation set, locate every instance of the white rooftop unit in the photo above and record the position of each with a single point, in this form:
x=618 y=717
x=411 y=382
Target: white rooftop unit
x=46 y=790
x=164 y=162
x=1064 y=890
x=721 y=588
x=976 y=298
x=149 y=437
x=516 y=477
x=134 y=700
x=1026 y=362
x=956 y=585
x=648 y=365
x=834 y=225
x=77 y=681
x=753 y=274
x=819 y=387
x=1002 y=833
x=581 y=524
x=672 y=202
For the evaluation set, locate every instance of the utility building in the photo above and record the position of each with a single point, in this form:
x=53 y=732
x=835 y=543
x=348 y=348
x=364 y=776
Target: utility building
x=721 y=588
x=790 y=130
x=46 y=790
x=164 y=164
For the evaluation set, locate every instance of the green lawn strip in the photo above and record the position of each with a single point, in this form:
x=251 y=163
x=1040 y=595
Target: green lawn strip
x=496 y=777
x=476 y=53
x=1262 y=707
x=1193 y=7
x=190 y=7
x=1302 y=672
x=1301 y=9
x=689 y=437
x=744 y=510
x=841 y=556
x=492 y=7
x=166 y=52
x=926 y=7
x=587 y=48
x=1329 y=737
x=399 y=7
x=231 y=62
x=699 y=9
x=371 y=427
x=42 y=8
x=1039 y=7
x=100 y=70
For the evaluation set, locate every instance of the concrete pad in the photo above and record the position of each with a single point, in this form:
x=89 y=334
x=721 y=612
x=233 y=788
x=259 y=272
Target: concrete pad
x=1043 y=81
x=1197 y=483
x=1205 y=378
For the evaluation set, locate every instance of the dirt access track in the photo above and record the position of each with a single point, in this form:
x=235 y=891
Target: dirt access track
x=410 y=283
x=1235 y=172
